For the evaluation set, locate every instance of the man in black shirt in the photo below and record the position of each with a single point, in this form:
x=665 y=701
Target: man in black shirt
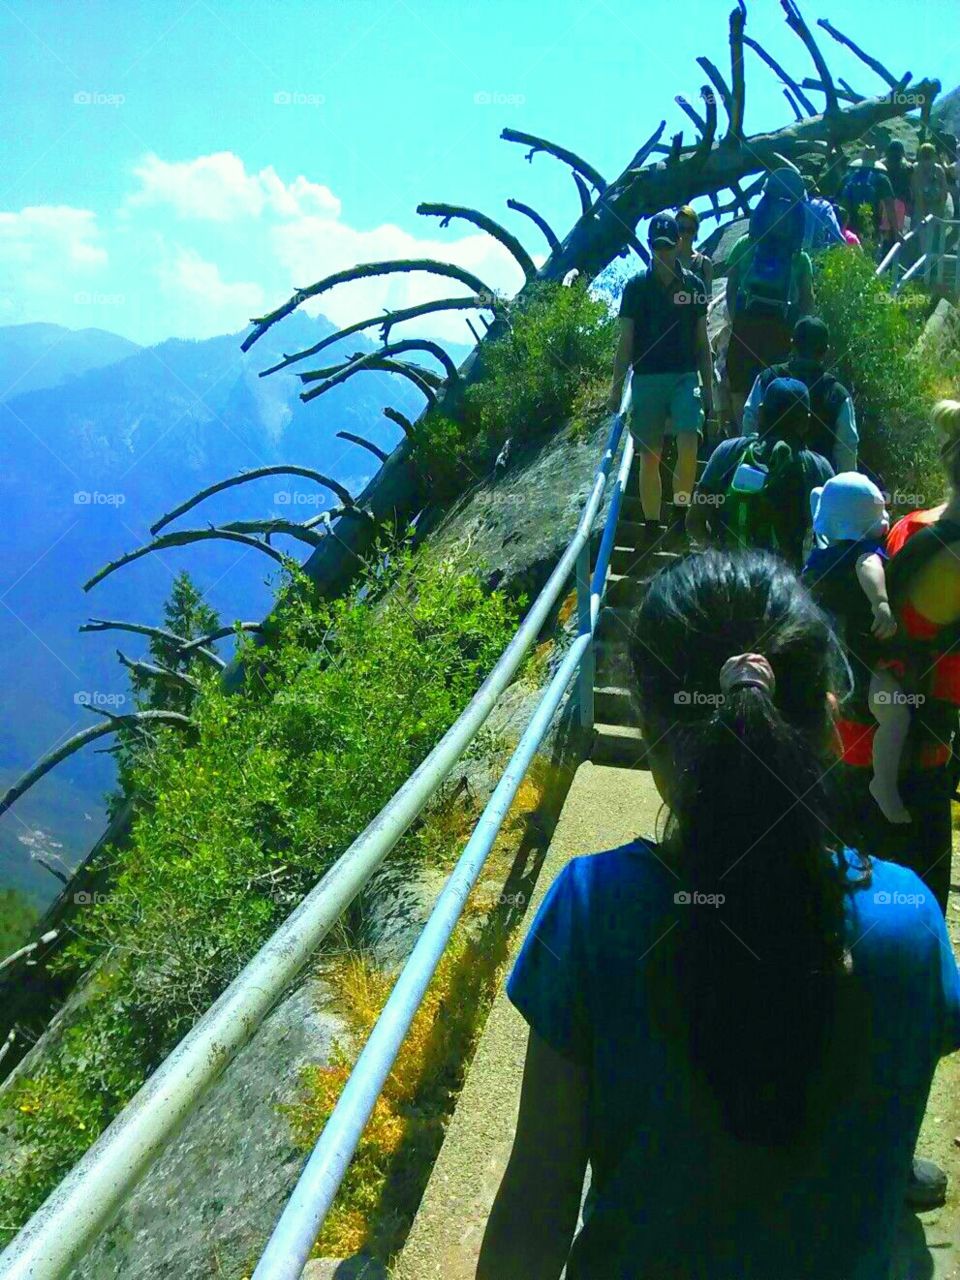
x=833 y=420
x=663 y=340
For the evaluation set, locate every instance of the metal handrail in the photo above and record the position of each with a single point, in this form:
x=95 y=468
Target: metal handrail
x=298 y=1226
x=932 y=233
x=88 y=1197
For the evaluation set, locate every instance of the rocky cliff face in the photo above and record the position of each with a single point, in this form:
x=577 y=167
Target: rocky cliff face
x=209 y=1203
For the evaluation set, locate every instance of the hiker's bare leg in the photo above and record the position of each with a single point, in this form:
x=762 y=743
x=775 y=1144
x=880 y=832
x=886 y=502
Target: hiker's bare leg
x=685 y=471
x=892 y=715
x=651 y=490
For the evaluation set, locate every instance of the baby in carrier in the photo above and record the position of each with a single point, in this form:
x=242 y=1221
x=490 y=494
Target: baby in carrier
x=845 y=574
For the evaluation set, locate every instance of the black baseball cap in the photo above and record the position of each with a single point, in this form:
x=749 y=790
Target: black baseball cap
x=663 y=230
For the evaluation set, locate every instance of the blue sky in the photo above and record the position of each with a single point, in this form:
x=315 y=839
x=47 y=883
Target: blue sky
x=173 y=167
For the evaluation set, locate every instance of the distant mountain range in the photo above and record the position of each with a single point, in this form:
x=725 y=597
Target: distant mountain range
x=108 y=438
x=43 y=355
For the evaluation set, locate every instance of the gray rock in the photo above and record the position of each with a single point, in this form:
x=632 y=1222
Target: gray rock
x=208 y=1205
x=941 y=330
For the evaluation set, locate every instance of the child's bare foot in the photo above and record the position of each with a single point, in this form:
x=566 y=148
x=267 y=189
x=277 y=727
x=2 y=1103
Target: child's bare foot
x=889 y=802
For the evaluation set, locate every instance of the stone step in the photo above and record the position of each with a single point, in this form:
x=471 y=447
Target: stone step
x=613 y=704
x=625 y=561
x=624 y=590
x=613 y=625
x=618 y=744
x=612 y=670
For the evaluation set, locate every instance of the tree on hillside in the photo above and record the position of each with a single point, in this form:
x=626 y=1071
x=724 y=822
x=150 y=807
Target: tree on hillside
x=165 y=682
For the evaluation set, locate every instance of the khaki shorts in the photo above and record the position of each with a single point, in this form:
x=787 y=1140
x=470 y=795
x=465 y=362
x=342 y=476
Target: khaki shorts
x=657 y=397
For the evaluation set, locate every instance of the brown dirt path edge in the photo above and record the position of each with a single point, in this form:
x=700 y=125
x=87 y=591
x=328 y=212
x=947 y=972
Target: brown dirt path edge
x=607 y=807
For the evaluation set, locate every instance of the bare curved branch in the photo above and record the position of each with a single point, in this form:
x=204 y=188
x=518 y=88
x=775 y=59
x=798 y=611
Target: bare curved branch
x=181 y=539
x=403 y=422
x=576 y=163
x=872 y=63
x=364 y=272
x=647 y=149
x=447 y=212
x=158 y=672
x=718 y=82
x=796 y=23
x=269 y=527
x=738 y=18
x=787 y=79
x=257 y=474
x=360 y=363
x=53 y=758
x=377 y=452
x=676 y=146
x=586 y=200
x=537 y=218
x=386 y=323
x=795 y=105
x=161 y=633
x=705 y=145
x=221 y=633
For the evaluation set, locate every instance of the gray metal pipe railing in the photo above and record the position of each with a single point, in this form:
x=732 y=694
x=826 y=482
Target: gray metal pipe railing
x=298 y=1226
x=89 y=1196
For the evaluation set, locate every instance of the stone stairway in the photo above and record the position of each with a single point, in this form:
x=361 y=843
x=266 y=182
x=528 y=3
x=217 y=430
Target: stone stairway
x=616 y=738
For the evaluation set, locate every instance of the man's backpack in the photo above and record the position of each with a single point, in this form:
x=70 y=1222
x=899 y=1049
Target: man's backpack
x=859 y=188
x=762 y=496
x=777 y=230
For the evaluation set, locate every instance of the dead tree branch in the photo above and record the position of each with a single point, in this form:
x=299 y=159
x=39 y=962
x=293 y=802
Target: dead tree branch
x=364 y=272
x=377 y=452
x=787 y=79
x=576 y=163
x=447 y=212
x=361 y=363
x=157 y=672
x=865 y=58
x=549 y=234
x=53 y=758
x=160 y=633
x=257 y=474
x=182 y=539
x=738 y=18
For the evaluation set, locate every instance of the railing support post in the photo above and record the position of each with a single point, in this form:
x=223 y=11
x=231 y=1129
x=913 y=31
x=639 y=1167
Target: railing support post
x=587 y=664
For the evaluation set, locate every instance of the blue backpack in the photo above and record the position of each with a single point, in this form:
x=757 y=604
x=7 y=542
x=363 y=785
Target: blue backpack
x=859 y=188
x=777 y=229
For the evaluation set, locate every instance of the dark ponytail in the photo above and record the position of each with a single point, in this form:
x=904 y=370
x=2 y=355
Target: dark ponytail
x=756 y=973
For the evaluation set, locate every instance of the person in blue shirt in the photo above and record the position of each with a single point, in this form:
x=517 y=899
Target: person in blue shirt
x=737 y=1027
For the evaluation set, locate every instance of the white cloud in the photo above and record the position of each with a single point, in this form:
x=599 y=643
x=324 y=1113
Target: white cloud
x=45 y=251
x=201 y=245
x=217 y=188
x=197 y=287
x=312 y=248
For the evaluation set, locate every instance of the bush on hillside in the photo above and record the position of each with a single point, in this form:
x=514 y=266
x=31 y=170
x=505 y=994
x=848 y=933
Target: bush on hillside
x=873 y=339
x=543 y=371
x=237 y=825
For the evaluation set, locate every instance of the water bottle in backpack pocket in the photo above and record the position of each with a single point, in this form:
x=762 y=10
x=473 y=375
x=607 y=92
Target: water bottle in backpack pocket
x=755 y=498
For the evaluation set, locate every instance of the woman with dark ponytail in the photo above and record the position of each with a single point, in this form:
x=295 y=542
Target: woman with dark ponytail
x=737 y=1027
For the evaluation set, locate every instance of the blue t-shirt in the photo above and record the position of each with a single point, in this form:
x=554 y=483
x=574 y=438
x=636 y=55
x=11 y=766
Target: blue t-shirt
x=671 y=1192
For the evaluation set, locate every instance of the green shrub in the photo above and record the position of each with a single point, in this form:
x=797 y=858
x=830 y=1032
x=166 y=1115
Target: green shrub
x=547 y=368
x=235 y=826
x=873 y=338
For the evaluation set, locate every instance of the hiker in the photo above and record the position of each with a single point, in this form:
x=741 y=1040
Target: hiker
x=663 y=339
x=900 y=175
x=923 y=582
x=737 y=1027
x=833 y=420
x=952 y=170
x=769 y=283
x=688 y=224
x=867 y=184
x=822 y=225
x=929 y=185
x=755 y=489
x=845 y=574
